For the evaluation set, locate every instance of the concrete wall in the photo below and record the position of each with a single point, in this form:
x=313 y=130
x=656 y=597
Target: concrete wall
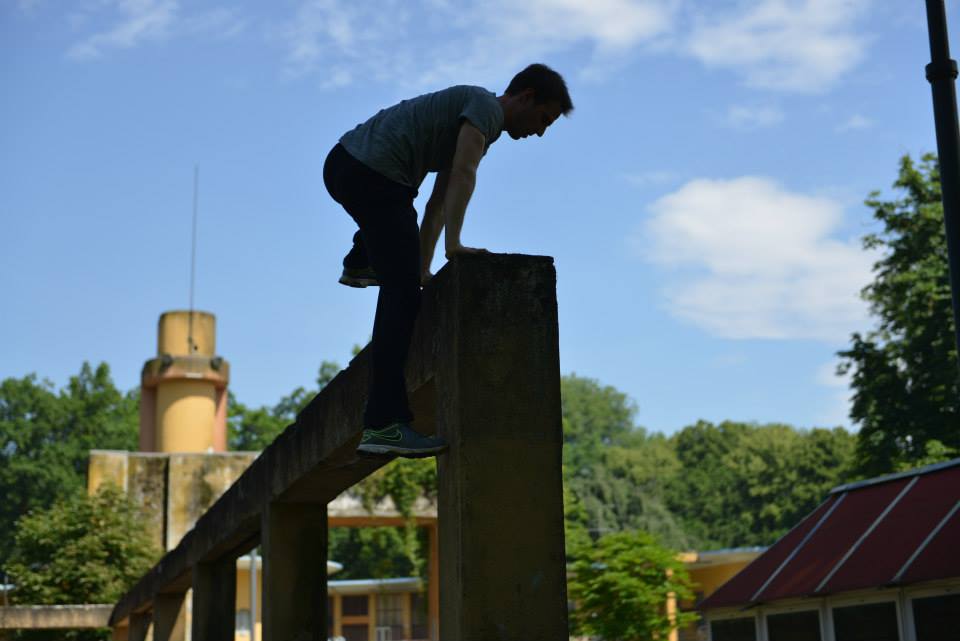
x=56 y=617
x=174 y=489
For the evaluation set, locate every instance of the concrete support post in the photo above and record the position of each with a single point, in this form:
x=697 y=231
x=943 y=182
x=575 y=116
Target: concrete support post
x=433 y=584
x=169 y=617
x=214 y=600
x=139 y=626
x=293 y=538
x=502 y=575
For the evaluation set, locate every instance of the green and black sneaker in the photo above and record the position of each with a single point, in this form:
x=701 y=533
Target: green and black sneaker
x=402 y=440
x=359 y=277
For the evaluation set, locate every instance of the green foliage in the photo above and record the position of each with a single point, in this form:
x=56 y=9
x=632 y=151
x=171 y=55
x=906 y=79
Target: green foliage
x=742 y=484
x=614 y=470
x=46 y=437
x=905 y=377
x=620 y=585
x=378 y=552
x=81 y=550
x=253 y=429
x=402 y=481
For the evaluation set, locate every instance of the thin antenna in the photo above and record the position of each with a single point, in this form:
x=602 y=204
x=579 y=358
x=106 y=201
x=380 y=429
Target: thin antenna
x=193 y=257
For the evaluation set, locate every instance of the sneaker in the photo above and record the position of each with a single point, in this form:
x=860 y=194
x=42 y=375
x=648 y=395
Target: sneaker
x=402 y=440
x=359 y=277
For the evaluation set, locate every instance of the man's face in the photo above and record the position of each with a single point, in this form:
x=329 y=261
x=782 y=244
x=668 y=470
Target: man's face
x=531 y=118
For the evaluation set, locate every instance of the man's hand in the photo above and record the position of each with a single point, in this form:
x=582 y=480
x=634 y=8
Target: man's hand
x=461 y=249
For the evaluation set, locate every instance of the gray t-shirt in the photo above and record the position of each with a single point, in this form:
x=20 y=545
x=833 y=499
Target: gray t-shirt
x=406 y=141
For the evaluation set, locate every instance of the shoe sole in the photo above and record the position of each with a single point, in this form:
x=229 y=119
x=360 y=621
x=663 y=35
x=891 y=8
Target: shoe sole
x=359 y=283
x=381 y=450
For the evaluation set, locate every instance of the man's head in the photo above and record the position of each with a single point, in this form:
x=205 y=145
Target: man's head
x=534 y=99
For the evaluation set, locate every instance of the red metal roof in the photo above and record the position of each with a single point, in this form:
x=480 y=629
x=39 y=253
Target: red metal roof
x=893 y=530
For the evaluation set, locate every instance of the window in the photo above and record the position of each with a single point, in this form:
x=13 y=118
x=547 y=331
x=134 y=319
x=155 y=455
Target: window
x=418 y=616
x=355 y=632
x=243 y=621
x=733 y=630
x=390 y=616
x=873 y=622
x=794 y=626
x=351 y=606
x=937 y=618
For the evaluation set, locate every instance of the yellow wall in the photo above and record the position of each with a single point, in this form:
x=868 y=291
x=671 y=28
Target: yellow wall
x=185 y=415
x=243 y=599
x=175 y=328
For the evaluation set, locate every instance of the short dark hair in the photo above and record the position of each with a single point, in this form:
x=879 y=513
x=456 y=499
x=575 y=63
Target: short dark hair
x=546 y=83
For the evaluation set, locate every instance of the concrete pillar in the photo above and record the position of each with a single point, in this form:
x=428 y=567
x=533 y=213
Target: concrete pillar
x=433 y=583
x=139 y=626
x=169 y=617
x=293 y=538
x=214 y=600
x=502 y=575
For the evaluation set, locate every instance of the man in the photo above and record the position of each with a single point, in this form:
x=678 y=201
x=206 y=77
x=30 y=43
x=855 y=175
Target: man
x=374 y=172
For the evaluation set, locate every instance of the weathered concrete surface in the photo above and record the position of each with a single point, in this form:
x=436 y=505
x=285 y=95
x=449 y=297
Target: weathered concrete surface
x=194 y=482
x=170 y=617
x=214 y=600
x=484 y=368
x=173 y=490
x=294 y=542
x=46 y=617
x=502 y=574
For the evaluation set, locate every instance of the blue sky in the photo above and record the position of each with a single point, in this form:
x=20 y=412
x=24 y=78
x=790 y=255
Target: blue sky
x=703 y=202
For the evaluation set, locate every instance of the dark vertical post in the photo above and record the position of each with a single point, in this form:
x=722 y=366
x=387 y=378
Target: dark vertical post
x=502 y=565
x=139 y=626
x=214 y=600
x=293 y=539
x=169 y=617
x=942 y=72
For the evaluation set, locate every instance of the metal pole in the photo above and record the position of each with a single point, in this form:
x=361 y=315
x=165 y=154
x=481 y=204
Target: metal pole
x=941 y=72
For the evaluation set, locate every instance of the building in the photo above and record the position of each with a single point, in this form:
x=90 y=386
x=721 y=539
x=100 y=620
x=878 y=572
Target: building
x=878 y=560
x=183 y=467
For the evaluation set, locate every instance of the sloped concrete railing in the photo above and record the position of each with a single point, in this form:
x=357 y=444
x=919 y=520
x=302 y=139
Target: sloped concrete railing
x=484 y=373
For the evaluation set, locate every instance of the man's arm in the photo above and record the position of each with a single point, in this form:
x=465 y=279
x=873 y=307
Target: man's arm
x=432 y=224
x=459 y=188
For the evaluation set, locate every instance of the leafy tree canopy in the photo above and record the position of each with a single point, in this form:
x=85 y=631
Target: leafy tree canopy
x=905 y=378
x=620 y=585
x=743 y=484
x=46 y=437
x=82 y=549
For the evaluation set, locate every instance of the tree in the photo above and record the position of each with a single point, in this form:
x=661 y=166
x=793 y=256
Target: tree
x=46 y=437
x=742 y=484
x=614 y=470
x=82 y=549
x=620 y=585
x=905 y=378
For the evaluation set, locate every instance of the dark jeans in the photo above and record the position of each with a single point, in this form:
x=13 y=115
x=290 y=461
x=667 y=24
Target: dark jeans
x=388 y=241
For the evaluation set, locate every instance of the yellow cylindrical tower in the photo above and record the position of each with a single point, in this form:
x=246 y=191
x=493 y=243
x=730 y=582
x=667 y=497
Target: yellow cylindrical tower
x=183 y=403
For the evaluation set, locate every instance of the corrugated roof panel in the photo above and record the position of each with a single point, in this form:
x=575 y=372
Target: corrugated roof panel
x=832 y=540
x=740 y=588
x=940 y=559
x=899 y=534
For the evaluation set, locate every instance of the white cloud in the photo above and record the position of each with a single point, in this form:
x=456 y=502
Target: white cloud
x=479 y=41
x=788 y=45
x=855 y=122
x=748 y=118
x=138 y=21
x=748 y=259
